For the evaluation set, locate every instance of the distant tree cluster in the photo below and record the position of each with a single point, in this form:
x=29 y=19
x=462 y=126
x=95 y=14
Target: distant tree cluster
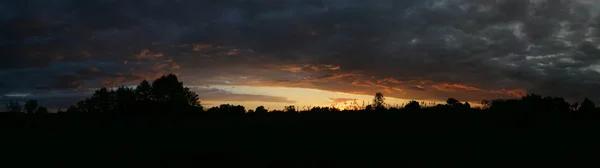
x=166 y=94
x=30 y=107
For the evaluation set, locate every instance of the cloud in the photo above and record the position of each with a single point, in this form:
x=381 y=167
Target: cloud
x=341 y=100
x=147 y=54
x=415 y=49
x=69 y=82
x=213 y=94
x=446 y=87
x=418 y=88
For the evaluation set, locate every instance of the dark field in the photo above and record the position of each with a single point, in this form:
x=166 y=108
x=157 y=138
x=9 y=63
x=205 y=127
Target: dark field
x=341 y=139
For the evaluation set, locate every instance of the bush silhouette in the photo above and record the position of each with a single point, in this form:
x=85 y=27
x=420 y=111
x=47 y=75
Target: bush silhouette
x=412 y=105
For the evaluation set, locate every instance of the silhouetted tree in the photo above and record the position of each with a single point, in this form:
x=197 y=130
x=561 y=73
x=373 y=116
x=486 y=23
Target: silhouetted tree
x=191 y=98
x=228 y=110
x=369 y=108
x=73 y=109
x=379 y=101
x=31 y=106
x=261 y=110
x=556 y=105
x=125 y=99
x=101 y=101
x=486 y=103
x=83 y=106
x=290 y=109
x=143 y=92
x=169 y=91
x=166 y=94
x=452 y=102
x=412 y=105
x=587 y=106
x=467 y=105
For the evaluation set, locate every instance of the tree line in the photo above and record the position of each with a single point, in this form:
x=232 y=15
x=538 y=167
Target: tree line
x=167 y=95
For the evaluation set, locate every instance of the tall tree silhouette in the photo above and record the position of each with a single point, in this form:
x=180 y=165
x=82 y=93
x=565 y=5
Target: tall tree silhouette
x=143 y=97
x=168 y=90
x=102 y=101
x=143 y=92
x=124 y=99
x=379 y=101
x=587 y=106
x=31 y=106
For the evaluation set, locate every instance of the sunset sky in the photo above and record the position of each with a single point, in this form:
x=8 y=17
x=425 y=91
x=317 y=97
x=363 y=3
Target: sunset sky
x=302 y=52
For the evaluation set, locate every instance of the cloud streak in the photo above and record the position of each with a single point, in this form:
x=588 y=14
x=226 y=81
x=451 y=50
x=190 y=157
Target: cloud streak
x=213 y=94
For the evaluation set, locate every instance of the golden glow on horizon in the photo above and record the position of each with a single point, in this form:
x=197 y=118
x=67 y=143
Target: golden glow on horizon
x=305 y=98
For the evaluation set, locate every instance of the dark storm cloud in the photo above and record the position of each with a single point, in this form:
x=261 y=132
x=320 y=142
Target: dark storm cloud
x=542 y=46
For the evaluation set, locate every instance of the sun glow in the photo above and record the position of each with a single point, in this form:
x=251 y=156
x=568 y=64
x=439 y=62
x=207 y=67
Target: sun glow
x=305 y=98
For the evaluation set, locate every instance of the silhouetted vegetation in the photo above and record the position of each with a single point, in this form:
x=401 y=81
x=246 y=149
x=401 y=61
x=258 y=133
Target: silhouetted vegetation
x=165 y=107
x=167 y=96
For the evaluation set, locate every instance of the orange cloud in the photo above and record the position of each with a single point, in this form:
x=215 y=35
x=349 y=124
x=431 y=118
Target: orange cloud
x=342 y=100
x=359 y=84
x=511 y=92
x=386 y=88
x=159 y=66
x=233 y=52
x=333 y=67
x=308 y=67
x=175 y=66
x=447 y=87
x=338 y=76
x=389 y=80
x=147 y=54
x=86 y=54
x=292 y=69
x=198 y=47
x=459 y=87
x=94 y=69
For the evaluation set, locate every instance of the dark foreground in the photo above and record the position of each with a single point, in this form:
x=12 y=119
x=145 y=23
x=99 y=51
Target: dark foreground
x=330 y=140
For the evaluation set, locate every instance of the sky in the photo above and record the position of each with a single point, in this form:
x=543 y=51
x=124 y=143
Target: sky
x=302 y=52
